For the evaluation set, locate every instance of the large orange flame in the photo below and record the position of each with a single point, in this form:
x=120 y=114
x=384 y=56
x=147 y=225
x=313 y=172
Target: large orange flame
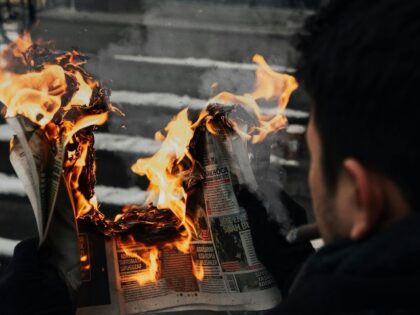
x=56 y=94
x=163 y=169
x=165 y=188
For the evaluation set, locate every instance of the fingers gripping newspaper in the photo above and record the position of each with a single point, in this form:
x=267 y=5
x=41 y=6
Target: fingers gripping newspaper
x=38 y=164
x=233 y=279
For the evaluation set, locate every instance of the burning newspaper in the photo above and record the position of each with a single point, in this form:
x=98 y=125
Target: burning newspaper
x=52 y=105
x=189 y=246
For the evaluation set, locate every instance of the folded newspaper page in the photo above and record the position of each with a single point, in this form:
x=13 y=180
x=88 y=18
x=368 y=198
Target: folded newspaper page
x=233 y=279
x=38 y=164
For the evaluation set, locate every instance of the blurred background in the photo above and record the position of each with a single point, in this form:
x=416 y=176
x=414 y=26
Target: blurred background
x=158 y=57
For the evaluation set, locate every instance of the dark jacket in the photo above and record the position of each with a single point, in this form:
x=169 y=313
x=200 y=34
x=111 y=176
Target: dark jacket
x=30 y=285
x=378 y=275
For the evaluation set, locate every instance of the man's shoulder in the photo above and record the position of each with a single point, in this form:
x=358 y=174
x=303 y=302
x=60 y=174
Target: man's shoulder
x=380 y=275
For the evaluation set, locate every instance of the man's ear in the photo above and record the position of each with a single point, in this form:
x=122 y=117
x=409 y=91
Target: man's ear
x=367 y=202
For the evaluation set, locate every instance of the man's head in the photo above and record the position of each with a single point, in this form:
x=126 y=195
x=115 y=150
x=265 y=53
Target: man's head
x=360 y=64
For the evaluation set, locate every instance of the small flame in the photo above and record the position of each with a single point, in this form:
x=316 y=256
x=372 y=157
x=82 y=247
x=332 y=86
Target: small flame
x=149 y=258
x=84 y=263
x=269 y=85
x=84 y=122
x=198 y=270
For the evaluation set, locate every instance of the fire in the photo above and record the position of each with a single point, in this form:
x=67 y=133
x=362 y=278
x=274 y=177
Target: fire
x=165 y=188
x=21 y=92
x=148 y=257
x=198 y=270
x=165 y=170
x=269 y=85
x=84 y=262
x=55 y=93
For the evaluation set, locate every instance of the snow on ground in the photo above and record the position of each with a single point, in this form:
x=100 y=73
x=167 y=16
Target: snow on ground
x=198 y=62
x=6 y=133
x=11 y=185
x=120 y=196
x=295 y=129
x=7 y=246
x=283 y=162
x=123 y=143
x=167 y=100
x=173 y=101
x=132 y=144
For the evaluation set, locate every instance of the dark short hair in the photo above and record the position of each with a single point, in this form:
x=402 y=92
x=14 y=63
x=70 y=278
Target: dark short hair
x=359 y=61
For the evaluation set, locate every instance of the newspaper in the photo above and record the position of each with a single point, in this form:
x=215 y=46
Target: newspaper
x=39 y=167
x=234 y=279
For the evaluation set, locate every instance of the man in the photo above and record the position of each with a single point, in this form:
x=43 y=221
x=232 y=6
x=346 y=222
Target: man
x=360 y=64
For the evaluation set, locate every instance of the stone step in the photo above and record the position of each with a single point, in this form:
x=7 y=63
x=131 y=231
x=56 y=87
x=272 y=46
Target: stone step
x=188 y=76
x=117 y=185
x=146 y=113
x=122 y=151
x=18 y=222
x=221 y=32
x=141 y=6
x=17 y=218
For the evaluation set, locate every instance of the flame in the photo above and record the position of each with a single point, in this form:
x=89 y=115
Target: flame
x=164 y=169
x=269 y=85
x=84 y=122
x=84 y=263
x=198 y=270
x=165 y=189
x=149 y=258
x=54 y=92
x=36 y=96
